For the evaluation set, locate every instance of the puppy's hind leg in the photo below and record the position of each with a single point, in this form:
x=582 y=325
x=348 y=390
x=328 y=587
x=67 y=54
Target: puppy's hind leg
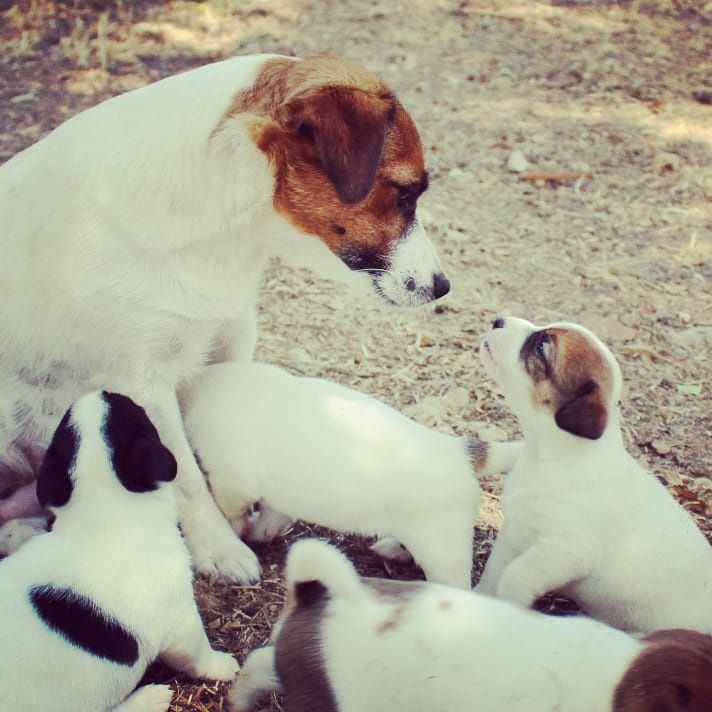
x=257 y=678
x=443 y=550
x=190 y=651
x=149 y=698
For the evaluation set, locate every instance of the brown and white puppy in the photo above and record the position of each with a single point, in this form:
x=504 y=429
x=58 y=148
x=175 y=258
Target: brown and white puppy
x=148 y=220
x=349 y=645
x=580 y=515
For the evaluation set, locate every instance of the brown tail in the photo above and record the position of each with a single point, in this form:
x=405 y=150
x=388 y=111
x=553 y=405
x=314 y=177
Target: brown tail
x=673 y=673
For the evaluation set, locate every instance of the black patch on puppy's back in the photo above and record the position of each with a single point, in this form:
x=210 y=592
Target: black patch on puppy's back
x=54 y=484
x=84 y=624
x=138 y=456
x=299 y=658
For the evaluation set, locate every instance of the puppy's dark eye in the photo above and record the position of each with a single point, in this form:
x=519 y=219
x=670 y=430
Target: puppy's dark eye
x=543 y=346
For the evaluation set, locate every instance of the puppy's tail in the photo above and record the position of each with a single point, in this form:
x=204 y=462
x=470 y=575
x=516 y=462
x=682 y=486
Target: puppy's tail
x=316 y=570
x=491 y=458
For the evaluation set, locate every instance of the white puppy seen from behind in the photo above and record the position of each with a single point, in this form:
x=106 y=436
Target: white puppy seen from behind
x=87 y=606
x=315 y=450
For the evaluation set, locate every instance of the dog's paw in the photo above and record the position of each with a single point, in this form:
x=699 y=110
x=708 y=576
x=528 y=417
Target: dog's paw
x=16 y=532
x=149 y=698
x=226 y=558
x=266 y=525
x=391 y=549
x=217 y=666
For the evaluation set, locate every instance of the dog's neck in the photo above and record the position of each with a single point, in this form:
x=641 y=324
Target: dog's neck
x=557 y=447
x=96 y=511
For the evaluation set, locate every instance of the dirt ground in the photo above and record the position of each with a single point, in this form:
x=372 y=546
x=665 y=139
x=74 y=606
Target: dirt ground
x=606 y=221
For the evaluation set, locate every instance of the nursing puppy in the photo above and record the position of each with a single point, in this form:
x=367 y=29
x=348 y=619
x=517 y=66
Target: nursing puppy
x=148 y=220
x=350 y=645
x=315 y=450
x=580 y=515
x=87 y=606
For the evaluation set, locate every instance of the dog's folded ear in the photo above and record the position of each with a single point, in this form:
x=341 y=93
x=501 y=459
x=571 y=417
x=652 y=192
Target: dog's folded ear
x=54 y=482
x=348 y=127
x=585 y=414
x=138 y=456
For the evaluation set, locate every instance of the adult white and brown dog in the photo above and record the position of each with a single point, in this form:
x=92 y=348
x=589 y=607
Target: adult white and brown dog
x=348 y=644
x=87 y=606
x=312 y=449
x=580 y=515
x=133 y=238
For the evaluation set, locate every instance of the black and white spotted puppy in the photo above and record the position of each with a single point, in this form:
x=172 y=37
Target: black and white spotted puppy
x=87 y=606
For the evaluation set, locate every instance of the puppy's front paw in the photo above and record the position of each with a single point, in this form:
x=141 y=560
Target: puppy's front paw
x=149 y=698
x=265 y=526
x=217 y=666
x=16 y=532
x=391 y=549
x=225 y=558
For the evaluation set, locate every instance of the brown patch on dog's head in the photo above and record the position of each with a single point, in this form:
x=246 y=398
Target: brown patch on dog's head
x=673 y=673
x=570 y=378
x=347 y=157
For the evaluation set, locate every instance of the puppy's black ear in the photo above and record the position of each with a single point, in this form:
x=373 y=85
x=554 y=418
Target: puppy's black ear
x=54 y=482
x=585 y=414
x=138 y=456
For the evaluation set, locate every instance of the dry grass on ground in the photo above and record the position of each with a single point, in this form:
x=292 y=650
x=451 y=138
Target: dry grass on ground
x=608 y=224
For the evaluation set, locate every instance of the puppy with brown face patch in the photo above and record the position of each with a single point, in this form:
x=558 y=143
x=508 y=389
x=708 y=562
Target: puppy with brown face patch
x=345 y=644
x=148 y=220
x=580 y=515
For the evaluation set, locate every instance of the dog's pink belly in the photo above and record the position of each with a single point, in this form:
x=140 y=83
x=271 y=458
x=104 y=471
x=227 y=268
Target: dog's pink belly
x=21 y=503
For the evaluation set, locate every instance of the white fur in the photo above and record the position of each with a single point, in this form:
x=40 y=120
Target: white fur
x=133 y=238
x=583 y=518
x=438 y=648
x=315 y=450
x=123 y=551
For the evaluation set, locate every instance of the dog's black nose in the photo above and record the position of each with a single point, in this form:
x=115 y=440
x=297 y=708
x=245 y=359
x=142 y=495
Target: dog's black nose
x=441 y=285
x=498 y=323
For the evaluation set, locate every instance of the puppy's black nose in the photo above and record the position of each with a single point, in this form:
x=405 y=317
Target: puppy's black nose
x=441 y=285
x=498 y=323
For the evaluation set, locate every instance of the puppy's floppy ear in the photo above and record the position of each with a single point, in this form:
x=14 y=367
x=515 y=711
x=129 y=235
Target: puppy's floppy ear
x=585 y=414
x=144 y=462
x=54 y=482
x=138 y=456
x=348 y=127
x=673 y=675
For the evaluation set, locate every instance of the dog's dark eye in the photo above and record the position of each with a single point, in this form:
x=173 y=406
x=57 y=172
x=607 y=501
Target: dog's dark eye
x=407 y=200
x=543 y=346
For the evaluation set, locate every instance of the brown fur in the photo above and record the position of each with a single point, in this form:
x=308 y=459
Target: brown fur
x=673 y=673
x=343 y=151
x=573 y=382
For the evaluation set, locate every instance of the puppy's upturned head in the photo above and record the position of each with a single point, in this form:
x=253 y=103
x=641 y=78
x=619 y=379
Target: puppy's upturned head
x=673 y=673
x=349 y=169
x=558 y=376
x=104 y=440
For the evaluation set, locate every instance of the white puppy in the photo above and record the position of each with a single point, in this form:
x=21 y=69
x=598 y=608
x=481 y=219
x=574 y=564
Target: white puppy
x=580 y=515
x=87 y=606
x=315 y=450
x=147 y=221
x=384 y=646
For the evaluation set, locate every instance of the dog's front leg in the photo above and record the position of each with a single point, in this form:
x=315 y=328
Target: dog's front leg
x=217 y=552
x=545 y=566
x=189 y=651
x=237 y=338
